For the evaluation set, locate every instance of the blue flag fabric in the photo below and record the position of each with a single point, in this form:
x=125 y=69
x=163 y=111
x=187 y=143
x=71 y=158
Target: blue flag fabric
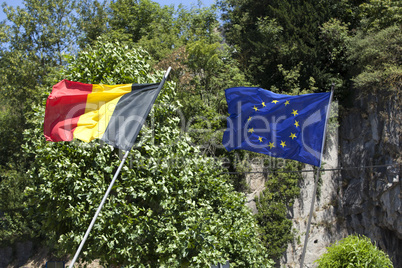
x=291 y=127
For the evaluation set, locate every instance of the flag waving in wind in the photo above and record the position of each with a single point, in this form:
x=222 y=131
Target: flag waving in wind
x=114 y=114
x=291 y=127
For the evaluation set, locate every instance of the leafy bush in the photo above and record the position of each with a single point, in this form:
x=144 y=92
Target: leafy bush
x=354 y=251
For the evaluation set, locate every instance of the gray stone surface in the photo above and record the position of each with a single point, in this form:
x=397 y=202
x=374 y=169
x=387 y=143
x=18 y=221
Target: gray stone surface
x=5 y=256
x=371 y=135
x=23 y=251
x=326 y=226
x=256 y=183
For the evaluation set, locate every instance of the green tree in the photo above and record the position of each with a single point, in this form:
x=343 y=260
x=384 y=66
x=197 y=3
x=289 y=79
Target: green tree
x=41 y=28
x=133 y=19
x=378 y=60
x=202 y=71
x=354 y=251
x=378 y=43
x=335 y=37
x=91 y=21
x=203 y=97
x=17 y=91
x=269 y=34
x=15 y=223
x=160 y=30
x=171 y=208
x=380 y=14
x=33 y=39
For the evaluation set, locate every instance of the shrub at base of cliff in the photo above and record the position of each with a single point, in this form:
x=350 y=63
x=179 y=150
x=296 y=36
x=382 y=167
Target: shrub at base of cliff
x=354 y=251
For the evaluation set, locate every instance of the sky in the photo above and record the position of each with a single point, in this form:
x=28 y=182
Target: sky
x=188 y=3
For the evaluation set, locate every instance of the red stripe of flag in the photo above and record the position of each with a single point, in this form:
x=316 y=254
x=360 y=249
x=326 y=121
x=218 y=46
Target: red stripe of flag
x=64 y=107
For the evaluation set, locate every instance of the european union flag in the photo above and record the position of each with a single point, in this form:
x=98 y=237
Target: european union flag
x=291 y=127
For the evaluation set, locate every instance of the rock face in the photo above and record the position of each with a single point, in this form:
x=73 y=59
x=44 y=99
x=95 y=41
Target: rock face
x=256 y=182
x=370 y=135
x=16 y=255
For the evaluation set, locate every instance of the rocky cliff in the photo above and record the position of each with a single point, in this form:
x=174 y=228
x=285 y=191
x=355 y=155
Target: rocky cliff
x=371 y=135
x=327 y=224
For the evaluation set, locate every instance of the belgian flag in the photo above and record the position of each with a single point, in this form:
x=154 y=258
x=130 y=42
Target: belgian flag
x=112 y=113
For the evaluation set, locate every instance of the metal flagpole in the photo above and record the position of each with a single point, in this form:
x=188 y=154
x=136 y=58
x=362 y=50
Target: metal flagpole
x=110 y=188
x=316 y=181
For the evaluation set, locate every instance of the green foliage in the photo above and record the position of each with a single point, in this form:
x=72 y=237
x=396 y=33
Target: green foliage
x=354 y=251
x=268 y=34
x=334 y=35
x=202 y=71
x=160 y=30
x=380 y=14
x=378 y=56
x=32 y=39
x=316 y=40
x=133 y=18
x=92 y=66
x=335 y=41
x=280 y=191
x=213 y=72
x=18 y=91
x=43 y=28
x=170 y=206
x=11 y=133
x=91 y=21
x=15 y=221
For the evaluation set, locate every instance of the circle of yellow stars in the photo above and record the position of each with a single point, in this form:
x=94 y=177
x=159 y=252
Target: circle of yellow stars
x=292 y=135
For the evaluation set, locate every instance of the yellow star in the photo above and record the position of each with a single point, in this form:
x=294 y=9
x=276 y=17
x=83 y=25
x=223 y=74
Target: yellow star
x=294 y=112
x=296 y=123
x=283 y=144
x=263 y=104
x=251 y=130
x=287 y=102
x=255 y=108
x=260 y=139
x=249 y=118
x=274 y=101
x=271 y=144
x=292 y=135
